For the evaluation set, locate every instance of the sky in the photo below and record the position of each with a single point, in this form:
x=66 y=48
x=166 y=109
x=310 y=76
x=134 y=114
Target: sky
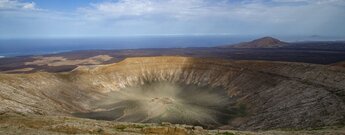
x=107 y=18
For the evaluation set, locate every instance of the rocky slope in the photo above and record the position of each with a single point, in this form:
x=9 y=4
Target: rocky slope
x=274 y=94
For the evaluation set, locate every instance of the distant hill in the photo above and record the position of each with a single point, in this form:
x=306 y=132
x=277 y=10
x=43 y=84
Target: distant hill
x=265 y=42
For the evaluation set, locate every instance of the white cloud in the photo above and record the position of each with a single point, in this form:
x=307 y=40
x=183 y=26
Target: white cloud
x=30 y=6
x=178 y=16
x=256 y=10
x=319 y=2
x=276 y=16
x=125 y=7
x=167 y=8
x=16 y=5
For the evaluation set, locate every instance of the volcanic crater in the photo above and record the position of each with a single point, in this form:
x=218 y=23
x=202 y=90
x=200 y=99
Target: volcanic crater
x=213 y=93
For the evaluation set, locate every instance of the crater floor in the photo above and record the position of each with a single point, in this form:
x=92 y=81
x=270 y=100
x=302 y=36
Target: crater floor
x=157 y=102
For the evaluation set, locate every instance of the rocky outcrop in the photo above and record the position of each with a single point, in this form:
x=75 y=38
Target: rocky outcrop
x=275 y=94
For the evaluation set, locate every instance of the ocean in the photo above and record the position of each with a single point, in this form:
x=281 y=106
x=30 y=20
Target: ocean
x=20 y=47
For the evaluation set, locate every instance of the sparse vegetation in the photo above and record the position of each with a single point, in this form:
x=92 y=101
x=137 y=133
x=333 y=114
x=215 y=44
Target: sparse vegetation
x=120 y=127
x=225 y=133
x=67 y=125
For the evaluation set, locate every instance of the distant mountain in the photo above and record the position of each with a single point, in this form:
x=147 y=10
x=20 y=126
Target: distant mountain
x=265 y=42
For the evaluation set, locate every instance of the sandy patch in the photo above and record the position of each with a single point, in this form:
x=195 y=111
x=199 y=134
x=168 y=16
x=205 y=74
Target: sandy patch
x=61 y=61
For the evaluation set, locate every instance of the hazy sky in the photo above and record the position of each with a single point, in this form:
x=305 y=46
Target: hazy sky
x=79 y=18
